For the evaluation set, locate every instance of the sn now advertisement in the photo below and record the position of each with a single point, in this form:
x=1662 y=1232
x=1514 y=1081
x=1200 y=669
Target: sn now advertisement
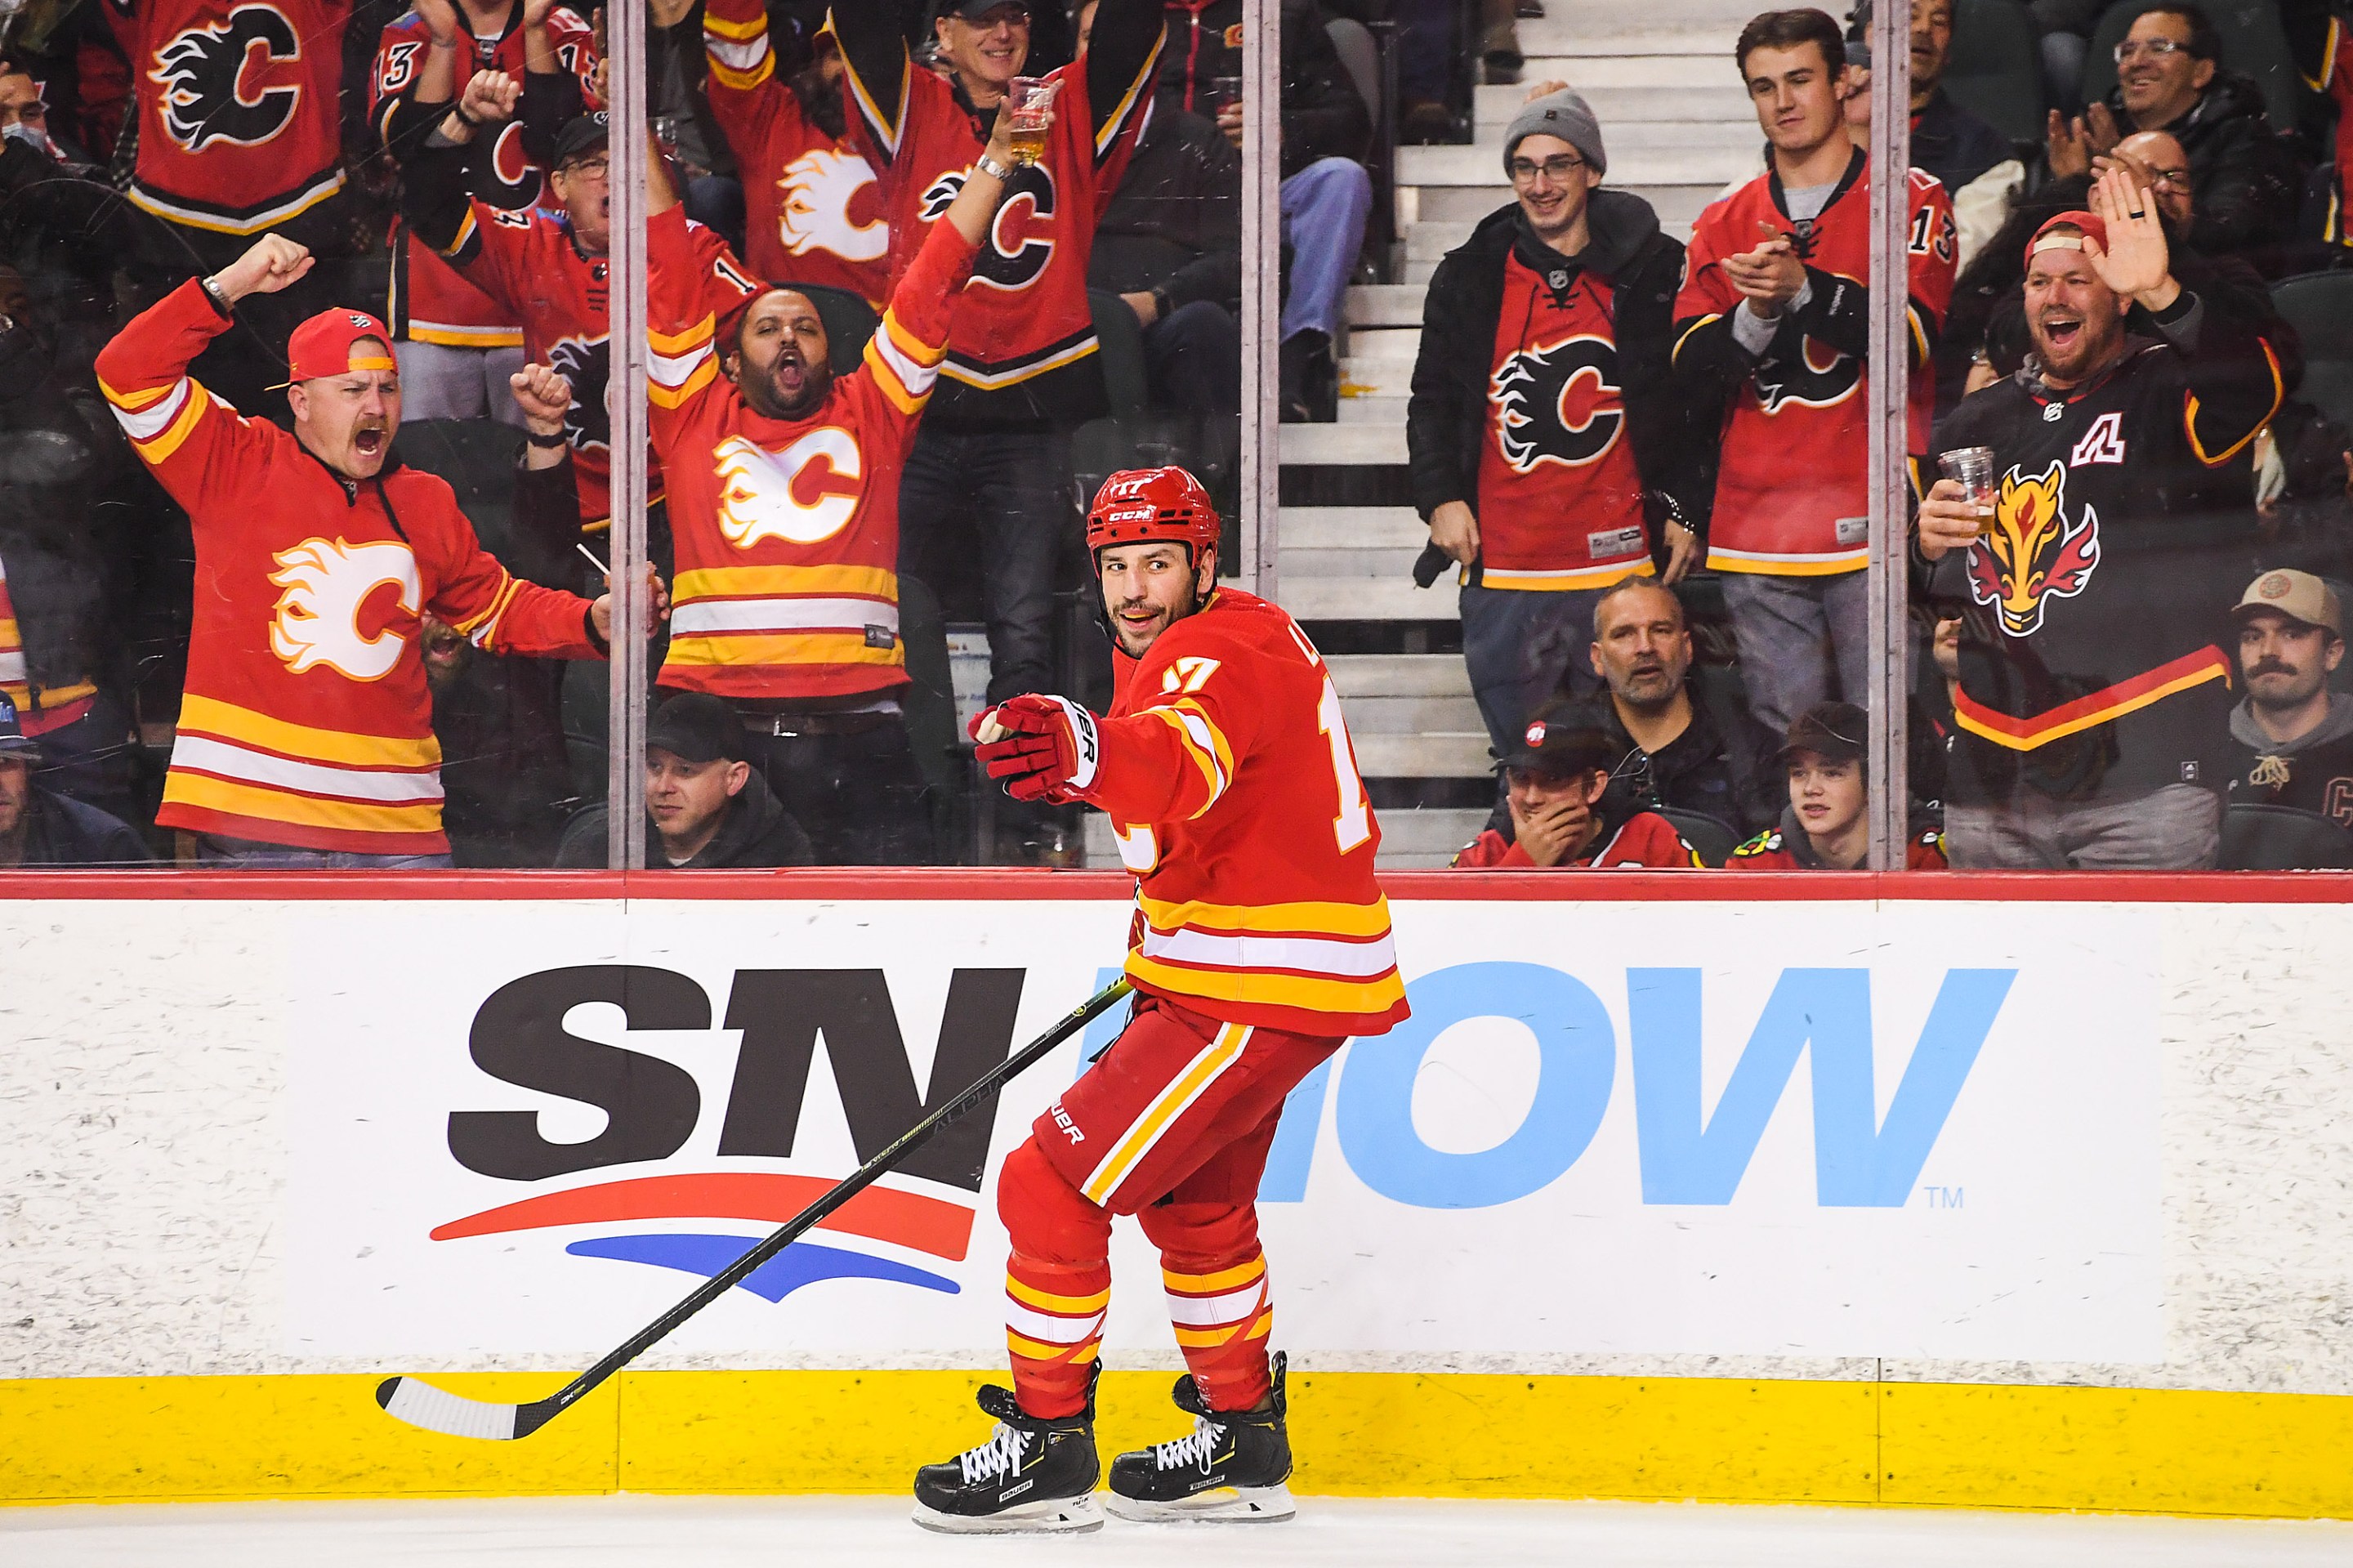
x=1910 y=1131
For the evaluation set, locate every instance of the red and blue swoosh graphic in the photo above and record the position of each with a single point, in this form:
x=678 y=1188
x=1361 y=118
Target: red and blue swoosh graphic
x=914 y=1221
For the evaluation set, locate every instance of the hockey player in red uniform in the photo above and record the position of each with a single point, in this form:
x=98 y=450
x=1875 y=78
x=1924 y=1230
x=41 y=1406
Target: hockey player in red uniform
x=813 y=211
x=1261 y=939
x=1772 y=334
x=1024 y=371
x=305 y=731
x=784 y=505
x=1566 y=813
x=457 y=346
x=550 y=269
x=1827 y=826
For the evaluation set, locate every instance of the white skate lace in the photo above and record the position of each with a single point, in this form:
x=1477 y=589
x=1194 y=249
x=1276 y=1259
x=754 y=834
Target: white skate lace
x=1001 y=1453
x=1199 y=1448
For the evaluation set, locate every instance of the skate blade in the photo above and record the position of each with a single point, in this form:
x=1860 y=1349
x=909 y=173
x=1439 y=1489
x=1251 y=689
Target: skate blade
x=1224 y=1505
x=1053 y=1516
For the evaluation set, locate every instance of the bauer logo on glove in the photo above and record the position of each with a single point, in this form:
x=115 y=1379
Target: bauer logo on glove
x=1039 y=748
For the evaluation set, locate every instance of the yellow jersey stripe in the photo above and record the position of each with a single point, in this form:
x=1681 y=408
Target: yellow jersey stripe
x=792 y=648
x=159 y=451
x=768 y=582
x=1171 y=1103
x=208 y=793
x=1047 y=1302
x=1293 y=919
x=210 y=716
x=1259 y=987
x=1216 y=1284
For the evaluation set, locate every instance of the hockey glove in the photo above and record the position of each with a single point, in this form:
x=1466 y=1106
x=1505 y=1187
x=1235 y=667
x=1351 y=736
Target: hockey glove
x=1041 y=748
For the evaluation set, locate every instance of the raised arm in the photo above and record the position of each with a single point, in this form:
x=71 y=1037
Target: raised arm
x=1121 y=57
x=876 y=75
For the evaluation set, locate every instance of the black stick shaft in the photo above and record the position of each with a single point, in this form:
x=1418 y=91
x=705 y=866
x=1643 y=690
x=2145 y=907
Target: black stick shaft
x=865 y=1176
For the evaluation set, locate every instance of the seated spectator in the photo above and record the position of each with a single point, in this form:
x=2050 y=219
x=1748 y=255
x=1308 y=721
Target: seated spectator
x=2091 y=700
x=1642 y=650
x=1826 y=824
x=1566 y=294
x=706 y=807
x=2321 y=46
x=1327 y=192
x=38 y=827
x=1567 y=812
x=1972 y=159
x=2169 y=77
x=1169 y=245
x=305 y=734
x=2291 y=737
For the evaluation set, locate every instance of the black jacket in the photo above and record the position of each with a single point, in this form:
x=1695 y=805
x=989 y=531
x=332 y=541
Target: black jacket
x=758 y=832
x=1177 y=221
x=1323 y=116
x=1446 y=419
x=2244 y=179
x=63 y=831
x=1736 y=780
x=1954 y=144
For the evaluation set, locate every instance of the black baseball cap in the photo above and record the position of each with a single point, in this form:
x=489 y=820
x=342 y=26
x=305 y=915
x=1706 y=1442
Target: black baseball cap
x=1563 y=741
x=582 y=134
x=13 y=741
x=1836 y=731
x=697 y=727
x=974 y=10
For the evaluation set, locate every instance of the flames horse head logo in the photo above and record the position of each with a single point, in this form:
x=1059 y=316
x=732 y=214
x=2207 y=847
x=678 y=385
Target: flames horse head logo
x=317 y=618
x=201 y=72
x=2034 y=554
x=818 y=187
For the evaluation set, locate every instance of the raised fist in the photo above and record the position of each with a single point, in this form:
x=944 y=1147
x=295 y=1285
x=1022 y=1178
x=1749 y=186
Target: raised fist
x=273 y=262
x=543 y=396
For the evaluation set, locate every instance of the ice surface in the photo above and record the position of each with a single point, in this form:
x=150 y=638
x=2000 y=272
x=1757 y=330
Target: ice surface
x=873 y=1533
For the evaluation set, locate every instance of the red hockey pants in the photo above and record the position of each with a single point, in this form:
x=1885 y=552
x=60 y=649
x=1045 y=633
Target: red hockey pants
x=1171 y=1126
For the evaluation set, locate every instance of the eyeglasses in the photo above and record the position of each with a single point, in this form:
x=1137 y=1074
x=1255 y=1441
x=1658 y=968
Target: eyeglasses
x=2177 y=178
x=2156 y=48
x=1556 y=168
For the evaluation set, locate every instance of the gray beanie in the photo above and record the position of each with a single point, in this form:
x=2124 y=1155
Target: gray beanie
x=1565 y=114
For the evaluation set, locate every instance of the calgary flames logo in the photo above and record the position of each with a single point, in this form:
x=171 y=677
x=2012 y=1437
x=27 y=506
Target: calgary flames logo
x=201 y=72
x=1800 y=380
x=1557 y=403
x=2034 y=554
x=1016 y=251
x=807 y=492
x=318 y=615
x=818 y=187
x=588 y=365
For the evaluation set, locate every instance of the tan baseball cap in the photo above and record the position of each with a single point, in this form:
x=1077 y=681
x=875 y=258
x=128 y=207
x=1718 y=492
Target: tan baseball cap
x=2299 y=596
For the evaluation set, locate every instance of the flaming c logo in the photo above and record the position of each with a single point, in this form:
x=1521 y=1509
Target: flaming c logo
x=818 y=187
x=2034 y=554
x=318 y=615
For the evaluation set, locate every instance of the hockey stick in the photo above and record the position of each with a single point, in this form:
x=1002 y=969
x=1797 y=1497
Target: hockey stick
x=437 y=1410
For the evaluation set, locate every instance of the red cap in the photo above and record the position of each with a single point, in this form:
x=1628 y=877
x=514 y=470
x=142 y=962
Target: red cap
x=2096 y=227
x=1145 y=505
x=322 y=346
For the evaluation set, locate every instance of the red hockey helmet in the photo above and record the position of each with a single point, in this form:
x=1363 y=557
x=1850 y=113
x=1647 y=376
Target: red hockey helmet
x=1146 y=506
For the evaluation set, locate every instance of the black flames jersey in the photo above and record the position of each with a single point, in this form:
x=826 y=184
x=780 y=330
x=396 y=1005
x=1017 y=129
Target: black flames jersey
x=2091 y=654
x=240 y=112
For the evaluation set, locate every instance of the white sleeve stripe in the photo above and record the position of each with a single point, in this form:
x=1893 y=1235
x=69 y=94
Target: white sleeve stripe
x=146 y=424
x=1200 y=731
x=735 y=56
x=673 y=370
x=916 y=378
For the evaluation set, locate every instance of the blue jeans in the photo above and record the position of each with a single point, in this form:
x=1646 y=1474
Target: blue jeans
x=249 y=854
x=1324 y=207
x=1014 y=487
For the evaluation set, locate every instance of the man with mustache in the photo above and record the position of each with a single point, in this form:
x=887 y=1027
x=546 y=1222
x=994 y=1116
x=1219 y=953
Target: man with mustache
x=2091 y=700
x=2291 y=737
x=785 y=512
x=1716 y=762
x=305 y=731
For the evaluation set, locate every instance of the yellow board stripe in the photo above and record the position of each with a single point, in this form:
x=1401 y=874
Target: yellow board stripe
x=768 y=582
x=208 y=793
x=1047 y=1302
x=1303 y=919
x=210 y=716
x=92 y=1439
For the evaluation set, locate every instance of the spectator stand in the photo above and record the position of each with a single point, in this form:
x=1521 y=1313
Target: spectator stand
x=1661 y=78
x=2319 y=305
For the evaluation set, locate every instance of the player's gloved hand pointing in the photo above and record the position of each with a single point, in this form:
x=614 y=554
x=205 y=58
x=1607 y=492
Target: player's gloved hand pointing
x=1042 y=747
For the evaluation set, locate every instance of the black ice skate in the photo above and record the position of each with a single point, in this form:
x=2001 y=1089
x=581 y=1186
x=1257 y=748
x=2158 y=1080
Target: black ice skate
x=1230 y=1469
x=1032 y=1474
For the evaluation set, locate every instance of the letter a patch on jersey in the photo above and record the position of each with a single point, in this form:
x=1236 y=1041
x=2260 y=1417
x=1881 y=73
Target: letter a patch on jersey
x=2104 y=442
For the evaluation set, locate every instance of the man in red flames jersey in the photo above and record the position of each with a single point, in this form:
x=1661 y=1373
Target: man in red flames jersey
x=456 y=344
x=1261 y=941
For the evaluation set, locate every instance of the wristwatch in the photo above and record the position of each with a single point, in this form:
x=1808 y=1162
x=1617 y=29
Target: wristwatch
x=553 y=439
x=992 y=168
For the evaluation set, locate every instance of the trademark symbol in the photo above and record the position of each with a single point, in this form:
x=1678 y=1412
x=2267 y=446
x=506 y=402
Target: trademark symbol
x=1944 y=1197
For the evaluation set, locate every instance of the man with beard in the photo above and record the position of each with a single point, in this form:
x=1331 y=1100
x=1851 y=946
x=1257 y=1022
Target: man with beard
x=549 y=268
x=305 y=733
x=1718 y=764
x=2090 y=702
x=2292 y=738
x=785 y=510
x=813 y=213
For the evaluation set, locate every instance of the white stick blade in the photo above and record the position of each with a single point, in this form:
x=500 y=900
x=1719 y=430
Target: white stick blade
x=437 y=1410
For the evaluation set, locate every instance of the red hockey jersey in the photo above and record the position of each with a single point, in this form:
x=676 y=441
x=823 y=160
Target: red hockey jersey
x=787 y=530
x=32 y=704
x=1025 y=348
x=813 y=212
x=528 y=263
x=1643 y=841
x=1561 y=502
x=1230 y=780
x=1791 y=494
x=306 y=719
x=1786 y=848
x=428 y=302
x=239 y=114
